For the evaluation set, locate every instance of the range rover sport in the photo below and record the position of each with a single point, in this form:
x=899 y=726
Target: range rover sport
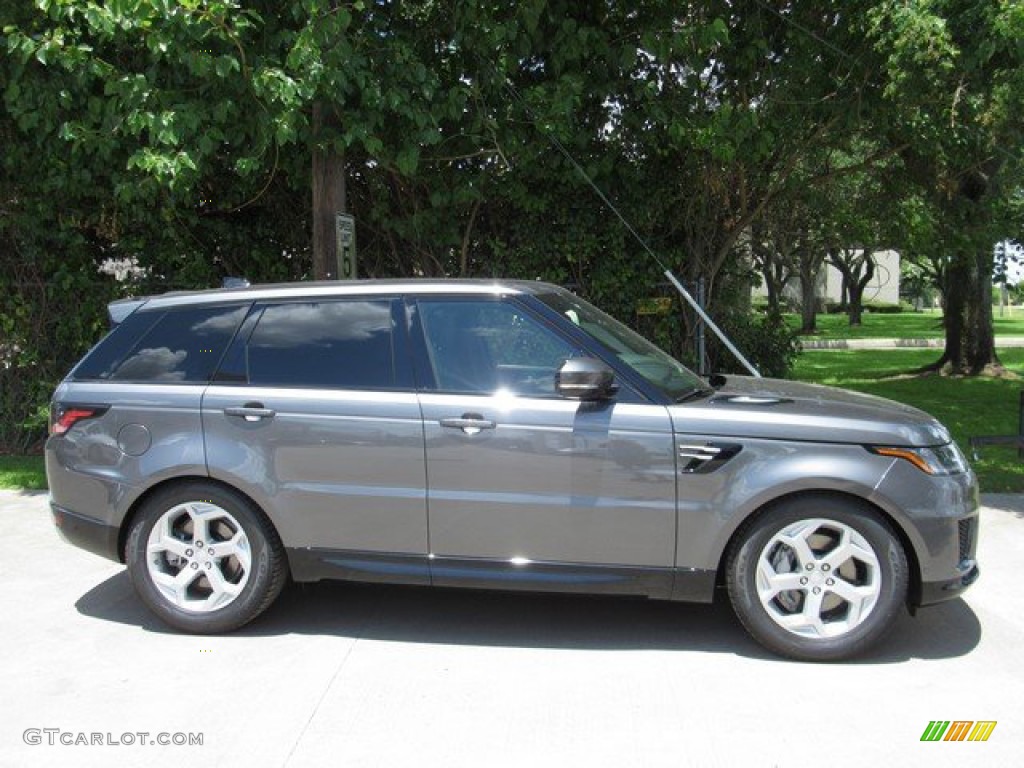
x=492 y=434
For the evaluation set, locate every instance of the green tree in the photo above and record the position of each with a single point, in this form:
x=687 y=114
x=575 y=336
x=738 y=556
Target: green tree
x=954 y=88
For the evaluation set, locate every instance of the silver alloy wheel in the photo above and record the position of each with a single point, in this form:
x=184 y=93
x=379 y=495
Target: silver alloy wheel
x=198 y=557
x=818 y=578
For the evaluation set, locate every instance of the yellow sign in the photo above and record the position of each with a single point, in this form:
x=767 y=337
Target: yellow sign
x=658 y=305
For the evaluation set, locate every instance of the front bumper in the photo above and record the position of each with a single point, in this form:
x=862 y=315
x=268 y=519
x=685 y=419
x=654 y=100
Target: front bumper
x=966 y=571
x=939 y=517
x=87 y=533
x=939 y=591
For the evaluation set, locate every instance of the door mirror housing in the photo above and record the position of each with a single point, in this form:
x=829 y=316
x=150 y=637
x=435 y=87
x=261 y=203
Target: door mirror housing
x=585 y=378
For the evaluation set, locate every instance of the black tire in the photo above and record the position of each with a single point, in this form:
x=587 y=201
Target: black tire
x=253 y=575
x=848 y=627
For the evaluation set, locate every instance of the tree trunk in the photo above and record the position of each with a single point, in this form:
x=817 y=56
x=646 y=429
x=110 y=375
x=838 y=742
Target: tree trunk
x=466 y=240
x=855 y=307
x=774 y=307
x=328 y=199
x=808 y=301
x=970 y=336
x=856 y=283
x=981 y=337
x=772 y=268
x=774 y=282
x=857 y=272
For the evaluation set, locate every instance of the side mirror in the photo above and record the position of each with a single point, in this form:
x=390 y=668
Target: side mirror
x=585 y=378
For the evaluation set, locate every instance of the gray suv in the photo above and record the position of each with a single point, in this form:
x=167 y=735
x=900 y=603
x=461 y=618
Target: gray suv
x=503 y=435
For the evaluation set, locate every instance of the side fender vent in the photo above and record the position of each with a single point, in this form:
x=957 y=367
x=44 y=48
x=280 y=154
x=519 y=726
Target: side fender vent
x=706 y=457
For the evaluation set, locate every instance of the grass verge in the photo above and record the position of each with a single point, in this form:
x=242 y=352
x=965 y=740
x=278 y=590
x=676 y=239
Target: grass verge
x=905 y=325
x=968 y=406
x=22 y=472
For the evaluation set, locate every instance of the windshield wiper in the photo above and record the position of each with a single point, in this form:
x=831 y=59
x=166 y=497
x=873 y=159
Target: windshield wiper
x=695 y=394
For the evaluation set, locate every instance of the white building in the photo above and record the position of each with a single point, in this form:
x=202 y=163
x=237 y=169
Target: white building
x=884 y=287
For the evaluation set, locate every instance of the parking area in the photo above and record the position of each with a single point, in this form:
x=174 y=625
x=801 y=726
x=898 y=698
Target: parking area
x=352 y=675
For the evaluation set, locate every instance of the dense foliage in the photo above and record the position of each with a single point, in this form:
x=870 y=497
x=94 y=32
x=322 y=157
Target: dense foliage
x=159 y=144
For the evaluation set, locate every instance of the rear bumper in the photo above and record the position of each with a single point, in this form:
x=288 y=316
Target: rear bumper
x=87 y=533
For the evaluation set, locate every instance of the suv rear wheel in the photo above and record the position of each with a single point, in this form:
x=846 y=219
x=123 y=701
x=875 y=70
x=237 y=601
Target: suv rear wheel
x=817 y=578
x=204 y=559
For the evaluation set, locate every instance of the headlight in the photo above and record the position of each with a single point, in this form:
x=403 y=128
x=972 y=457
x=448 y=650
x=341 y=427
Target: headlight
x=937 y=460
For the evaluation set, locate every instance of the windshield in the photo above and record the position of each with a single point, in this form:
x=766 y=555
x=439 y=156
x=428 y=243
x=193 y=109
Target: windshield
x=674 y=379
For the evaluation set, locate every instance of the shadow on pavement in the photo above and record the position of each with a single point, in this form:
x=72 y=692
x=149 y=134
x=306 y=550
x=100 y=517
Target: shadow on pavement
x=454 y=617
x=1005 y=502
x=24 y=493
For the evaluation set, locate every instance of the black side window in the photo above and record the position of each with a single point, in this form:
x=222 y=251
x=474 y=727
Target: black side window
x=324 y=345
x=178 y=346
x=115 y=346
x=486 y=346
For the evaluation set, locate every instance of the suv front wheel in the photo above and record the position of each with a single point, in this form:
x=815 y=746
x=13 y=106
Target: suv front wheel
x=817 y=578
x=204 y=559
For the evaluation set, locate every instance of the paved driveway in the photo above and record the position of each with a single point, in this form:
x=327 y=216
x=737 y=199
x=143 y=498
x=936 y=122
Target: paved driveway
x=347 y=675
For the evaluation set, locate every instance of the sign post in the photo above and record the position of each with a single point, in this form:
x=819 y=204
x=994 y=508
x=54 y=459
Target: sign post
x=345 y=235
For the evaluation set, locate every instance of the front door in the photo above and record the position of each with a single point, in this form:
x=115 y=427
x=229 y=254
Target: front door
x=527 y=488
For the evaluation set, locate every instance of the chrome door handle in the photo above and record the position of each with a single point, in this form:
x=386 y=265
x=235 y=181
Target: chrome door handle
x=470 y=423
x=251 y=412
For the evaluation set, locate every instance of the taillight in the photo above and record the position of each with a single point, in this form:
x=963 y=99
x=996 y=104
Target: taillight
x=64 y=417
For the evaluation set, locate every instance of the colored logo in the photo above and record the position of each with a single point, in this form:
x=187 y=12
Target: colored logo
x=958 y=730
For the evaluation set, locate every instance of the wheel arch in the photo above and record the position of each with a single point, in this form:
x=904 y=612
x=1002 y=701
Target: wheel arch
x=137 y=505
x=769 y=506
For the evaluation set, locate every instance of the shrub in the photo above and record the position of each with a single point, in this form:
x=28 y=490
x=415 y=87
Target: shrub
x=766 y=341
x=876 y=307
x=883 y=308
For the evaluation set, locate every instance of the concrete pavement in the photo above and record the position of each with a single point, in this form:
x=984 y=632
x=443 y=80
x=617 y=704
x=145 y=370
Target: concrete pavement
x=349 y=675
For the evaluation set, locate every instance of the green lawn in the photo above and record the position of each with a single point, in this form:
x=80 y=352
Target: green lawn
x=905 y=325
x=969 y=407
x=23 y=472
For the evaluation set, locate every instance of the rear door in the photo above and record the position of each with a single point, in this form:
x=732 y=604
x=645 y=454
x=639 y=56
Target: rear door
x=313 y=412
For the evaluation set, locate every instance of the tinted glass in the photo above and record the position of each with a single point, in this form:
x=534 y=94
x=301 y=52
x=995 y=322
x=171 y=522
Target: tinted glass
x=232 y=368
x=661 y=370
x=488 y=346
x=115 y=346
x=179 y=346
x=326 y=345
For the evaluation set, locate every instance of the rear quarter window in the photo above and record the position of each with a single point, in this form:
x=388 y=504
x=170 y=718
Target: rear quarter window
x=176 y=346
